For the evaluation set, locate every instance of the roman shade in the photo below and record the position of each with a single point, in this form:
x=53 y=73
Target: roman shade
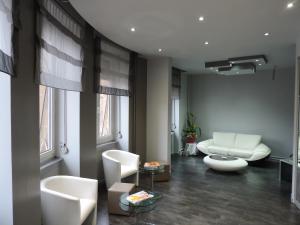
x=6 y=37
x=112 y=68
x=60 y=47
x=176 y=83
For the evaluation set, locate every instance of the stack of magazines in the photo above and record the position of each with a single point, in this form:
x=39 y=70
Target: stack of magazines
x=139 y=197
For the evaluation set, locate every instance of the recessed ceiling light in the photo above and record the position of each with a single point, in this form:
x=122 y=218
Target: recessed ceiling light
x=256 y=60
x=206 y=43
x=201 y=18
x=266 y=34
x=132 y=29
x=260 y=64
x=290 y=5
x=160 y=50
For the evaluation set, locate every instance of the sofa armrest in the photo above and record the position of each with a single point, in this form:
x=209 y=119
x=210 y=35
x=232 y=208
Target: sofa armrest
x=261 y=151
x=203 y=145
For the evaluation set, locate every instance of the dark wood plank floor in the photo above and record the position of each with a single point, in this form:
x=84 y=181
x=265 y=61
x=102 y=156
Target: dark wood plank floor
x=199 y=196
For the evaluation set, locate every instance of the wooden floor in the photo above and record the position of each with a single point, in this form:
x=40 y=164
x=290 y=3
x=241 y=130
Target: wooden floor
x=199 y=196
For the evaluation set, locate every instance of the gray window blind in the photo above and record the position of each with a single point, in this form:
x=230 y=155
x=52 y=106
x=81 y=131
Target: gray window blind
x=6 y=35
x=113 y=69
x=60 y=53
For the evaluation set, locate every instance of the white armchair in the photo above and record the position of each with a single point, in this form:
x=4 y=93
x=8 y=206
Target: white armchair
x=119 y=164
x=68 y=200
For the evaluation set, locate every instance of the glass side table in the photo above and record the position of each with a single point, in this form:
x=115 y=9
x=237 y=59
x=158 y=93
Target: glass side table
x=139 y=208
x=152 y=172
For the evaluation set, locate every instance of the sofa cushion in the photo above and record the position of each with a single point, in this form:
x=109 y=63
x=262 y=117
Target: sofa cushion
x=224 y=139
x=240 y=153
x=247 y=141
x=220 y=150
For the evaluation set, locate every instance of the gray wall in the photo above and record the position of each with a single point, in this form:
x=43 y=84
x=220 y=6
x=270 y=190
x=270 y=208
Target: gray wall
x=139 y=111
x=88 y=159
x=246 y=104
x=296 y=169
x=25 y=126
x=159 y=109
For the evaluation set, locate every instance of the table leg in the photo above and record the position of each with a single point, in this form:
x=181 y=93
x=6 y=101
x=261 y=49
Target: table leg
x=152 y=182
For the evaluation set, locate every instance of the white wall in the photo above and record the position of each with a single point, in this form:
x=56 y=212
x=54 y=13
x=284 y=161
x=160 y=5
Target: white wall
x=183 y=106
x=6 y=205
x=123 y=123
x=72 y=158
x=159 y=109
x=175 y=126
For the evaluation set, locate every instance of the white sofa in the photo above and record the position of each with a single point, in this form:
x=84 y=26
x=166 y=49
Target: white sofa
x=119 y=164
x=68 y=200
x=245 y=146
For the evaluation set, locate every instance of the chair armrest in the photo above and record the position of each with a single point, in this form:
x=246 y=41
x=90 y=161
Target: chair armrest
x=130 y=159
x=261 y=151
x=203 y=145
x=59 y=208
x=85 y=188
x=112 y=170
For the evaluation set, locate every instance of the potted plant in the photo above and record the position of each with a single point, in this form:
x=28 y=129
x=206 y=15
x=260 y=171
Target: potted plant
x=192 y=131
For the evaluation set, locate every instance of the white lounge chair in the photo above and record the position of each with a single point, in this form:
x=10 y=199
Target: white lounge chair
x=119 y=164
x=68 y=200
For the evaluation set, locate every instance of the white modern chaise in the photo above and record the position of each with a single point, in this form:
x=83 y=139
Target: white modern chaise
x=68 y=200
x=245 y=146
x=119 y=164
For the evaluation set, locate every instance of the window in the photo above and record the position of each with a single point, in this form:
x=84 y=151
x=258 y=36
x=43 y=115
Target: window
x=46 y=122
x=105 y=118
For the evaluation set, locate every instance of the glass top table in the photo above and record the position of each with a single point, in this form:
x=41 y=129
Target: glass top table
x=152 y=172
x=139 y=208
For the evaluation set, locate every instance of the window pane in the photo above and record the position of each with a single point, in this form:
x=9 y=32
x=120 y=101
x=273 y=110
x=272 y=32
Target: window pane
x=104 y=115
x=44 y=119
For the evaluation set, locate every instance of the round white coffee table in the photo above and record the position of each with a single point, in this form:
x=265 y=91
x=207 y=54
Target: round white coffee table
x=225 y=163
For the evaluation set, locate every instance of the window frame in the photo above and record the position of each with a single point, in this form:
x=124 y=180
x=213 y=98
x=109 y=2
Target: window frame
x=113 y=112
x=51 y=152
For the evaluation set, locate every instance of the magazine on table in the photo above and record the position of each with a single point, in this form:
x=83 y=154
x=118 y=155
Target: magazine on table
x=139 y=197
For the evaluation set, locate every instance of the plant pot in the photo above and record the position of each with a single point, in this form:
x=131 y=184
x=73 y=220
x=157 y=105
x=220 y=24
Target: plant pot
x=191 y=139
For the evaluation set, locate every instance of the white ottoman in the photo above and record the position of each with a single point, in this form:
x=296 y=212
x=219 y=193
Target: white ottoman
x=224 y=163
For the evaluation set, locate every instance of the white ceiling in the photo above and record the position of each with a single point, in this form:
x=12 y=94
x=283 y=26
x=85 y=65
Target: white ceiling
x=233 y=28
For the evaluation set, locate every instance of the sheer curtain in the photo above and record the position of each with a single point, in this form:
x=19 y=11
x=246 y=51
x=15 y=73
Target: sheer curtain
x=6 y=33
x=113 y=69
x=60 y=48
